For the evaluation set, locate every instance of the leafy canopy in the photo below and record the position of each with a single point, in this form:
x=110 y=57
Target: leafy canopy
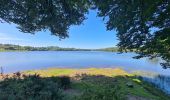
x=142 y=26
x=37 y=15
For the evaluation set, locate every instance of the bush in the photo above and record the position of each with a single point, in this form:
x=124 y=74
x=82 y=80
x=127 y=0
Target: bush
x=65 y=82
x=30 y=87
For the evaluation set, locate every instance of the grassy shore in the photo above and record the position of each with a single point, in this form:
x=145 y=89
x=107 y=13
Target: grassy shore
x=73 y=72
x=91 y=84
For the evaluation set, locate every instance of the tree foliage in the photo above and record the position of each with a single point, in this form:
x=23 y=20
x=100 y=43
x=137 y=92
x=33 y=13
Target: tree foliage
x=37 y=15
x=142 y=26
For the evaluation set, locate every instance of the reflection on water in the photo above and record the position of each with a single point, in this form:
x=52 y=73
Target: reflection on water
x=159 y=81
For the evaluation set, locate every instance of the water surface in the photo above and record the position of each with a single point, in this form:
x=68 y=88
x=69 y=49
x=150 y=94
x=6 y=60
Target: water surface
x=20 y=61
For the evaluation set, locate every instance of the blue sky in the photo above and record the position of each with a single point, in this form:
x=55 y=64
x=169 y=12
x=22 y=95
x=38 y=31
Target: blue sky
x=91 y=34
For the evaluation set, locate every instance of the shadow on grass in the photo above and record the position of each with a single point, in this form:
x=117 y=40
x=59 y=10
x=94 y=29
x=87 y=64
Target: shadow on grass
x=80 y=87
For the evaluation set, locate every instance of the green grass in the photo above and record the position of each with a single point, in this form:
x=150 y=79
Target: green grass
x=51 y=72
x=84 y=84
x=105 y=89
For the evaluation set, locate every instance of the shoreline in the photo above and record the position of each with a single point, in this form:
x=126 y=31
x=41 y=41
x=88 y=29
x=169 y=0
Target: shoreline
x=74 y=71
x=97 y=78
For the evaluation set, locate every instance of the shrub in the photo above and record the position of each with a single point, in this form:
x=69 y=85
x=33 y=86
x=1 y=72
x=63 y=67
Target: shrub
x=65 y=82
x=30 y=87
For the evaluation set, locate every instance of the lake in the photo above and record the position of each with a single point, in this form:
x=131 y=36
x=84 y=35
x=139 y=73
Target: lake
x=34 y=60
x=20 y=61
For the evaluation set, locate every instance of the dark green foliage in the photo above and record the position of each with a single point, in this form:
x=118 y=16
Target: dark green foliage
x=65 y=82
x=143 y=26
x=37 y=15
x=30 y=88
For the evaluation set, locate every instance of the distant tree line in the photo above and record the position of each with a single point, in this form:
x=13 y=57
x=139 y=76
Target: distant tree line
x=11 y=47
x=109 y=49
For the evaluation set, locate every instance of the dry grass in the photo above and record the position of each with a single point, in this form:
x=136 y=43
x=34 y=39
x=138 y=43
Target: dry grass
x=73 y=72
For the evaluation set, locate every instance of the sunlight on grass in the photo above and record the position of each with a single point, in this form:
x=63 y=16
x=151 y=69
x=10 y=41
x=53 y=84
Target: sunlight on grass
x=72 y=72
x=52 y=72
x=137 y=80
